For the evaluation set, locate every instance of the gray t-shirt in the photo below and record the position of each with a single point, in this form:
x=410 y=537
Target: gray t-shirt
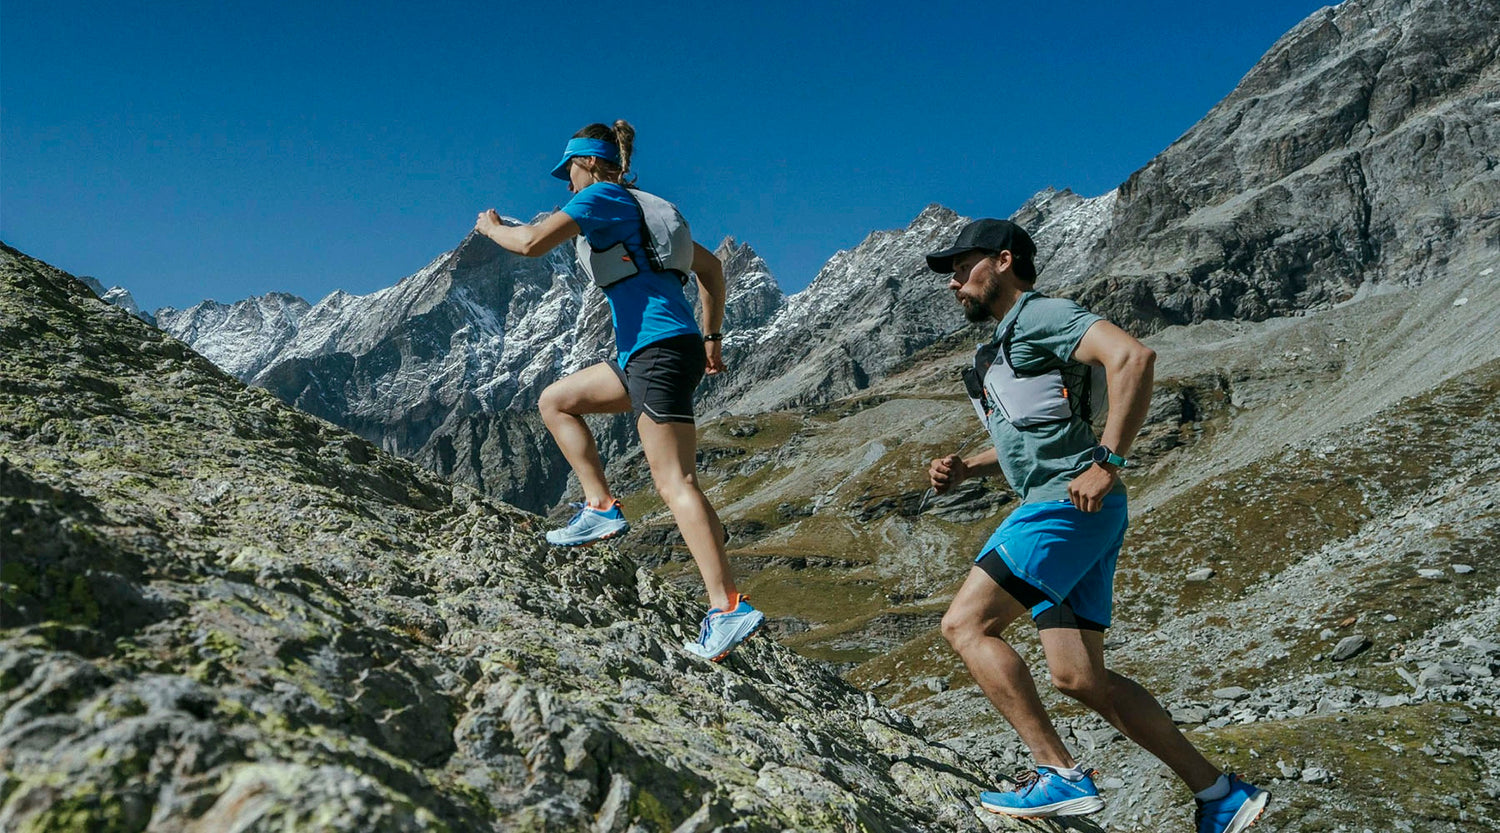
x=1040 y=461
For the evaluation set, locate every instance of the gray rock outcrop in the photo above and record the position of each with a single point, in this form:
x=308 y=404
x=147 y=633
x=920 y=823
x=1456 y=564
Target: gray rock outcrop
x=753 y=296
x=867 y=311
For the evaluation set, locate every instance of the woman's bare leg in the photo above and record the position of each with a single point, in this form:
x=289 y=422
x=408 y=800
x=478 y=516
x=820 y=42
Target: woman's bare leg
x=593 y=390
x=671 y=450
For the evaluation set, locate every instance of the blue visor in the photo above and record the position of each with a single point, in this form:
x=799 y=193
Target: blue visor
x=586 y=147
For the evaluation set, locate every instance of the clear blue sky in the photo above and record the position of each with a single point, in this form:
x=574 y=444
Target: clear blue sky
x=191 y=150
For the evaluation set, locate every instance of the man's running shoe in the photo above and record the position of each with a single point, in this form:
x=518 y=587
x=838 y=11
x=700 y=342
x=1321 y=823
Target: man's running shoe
x=1234 y=812
x=590 y=526
x=722 y=630
x=1042 y=792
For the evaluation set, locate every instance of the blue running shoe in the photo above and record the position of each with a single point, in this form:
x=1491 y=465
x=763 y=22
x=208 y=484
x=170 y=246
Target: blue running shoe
x=1234 y=812
x=590 y=526
x=1042 y=792
x=722 y=630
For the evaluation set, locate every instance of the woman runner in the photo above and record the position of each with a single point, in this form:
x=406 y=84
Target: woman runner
x=662 y=357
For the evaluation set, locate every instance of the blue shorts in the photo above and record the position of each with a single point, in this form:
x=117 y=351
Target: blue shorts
x=1063 y=553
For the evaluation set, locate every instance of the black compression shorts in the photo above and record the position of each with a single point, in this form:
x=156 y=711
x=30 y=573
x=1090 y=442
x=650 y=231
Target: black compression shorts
x=1056 y=616
x=662 y=376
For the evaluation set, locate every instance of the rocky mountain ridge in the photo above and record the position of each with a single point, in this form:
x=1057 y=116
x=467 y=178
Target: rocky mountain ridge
x=1360 y=149
x=120 y=297
x=242 y=338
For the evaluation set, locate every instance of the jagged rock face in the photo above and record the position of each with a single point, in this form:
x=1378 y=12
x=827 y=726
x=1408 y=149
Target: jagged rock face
x=241 y=338
x=1361 y=148
x=1069 y=231
x=225 y=614
x=752 y=294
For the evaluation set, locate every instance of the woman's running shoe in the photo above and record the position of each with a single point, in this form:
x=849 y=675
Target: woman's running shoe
x=722 y=630
x=590 y=526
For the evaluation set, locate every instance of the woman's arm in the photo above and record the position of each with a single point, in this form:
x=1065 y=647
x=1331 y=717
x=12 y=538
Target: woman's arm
x=710 y=274
x=534 y=240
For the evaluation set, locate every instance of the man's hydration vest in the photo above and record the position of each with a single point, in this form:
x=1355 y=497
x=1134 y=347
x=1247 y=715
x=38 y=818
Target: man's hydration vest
x=666 y=242
x=1026 y=400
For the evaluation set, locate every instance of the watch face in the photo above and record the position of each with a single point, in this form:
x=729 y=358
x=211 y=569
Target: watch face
x=1101 y=454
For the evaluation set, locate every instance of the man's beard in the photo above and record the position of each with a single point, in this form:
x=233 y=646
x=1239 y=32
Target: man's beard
x=977 y=310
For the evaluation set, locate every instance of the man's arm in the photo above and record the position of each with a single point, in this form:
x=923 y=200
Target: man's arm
x=532 y=240
x=1129 y=368
x=710 y=274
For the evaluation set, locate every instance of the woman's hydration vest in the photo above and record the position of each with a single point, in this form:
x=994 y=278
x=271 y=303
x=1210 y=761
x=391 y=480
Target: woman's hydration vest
x=1026 y=400
x=666 y=243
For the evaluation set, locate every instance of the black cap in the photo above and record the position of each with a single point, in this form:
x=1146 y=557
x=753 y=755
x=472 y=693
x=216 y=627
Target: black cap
x=990 y=236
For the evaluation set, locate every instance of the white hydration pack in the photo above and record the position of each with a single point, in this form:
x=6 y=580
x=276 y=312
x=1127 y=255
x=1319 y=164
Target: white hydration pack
x=666 y=242
x=1026 y=400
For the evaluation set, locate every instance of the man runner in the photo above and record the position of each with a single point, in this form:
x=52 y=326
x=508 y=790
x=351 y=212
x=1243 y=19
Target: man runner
x=1055 y=554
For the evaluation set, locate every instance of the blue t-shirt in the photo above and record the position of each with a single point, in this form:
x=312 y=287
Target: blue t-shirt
x=648 y=307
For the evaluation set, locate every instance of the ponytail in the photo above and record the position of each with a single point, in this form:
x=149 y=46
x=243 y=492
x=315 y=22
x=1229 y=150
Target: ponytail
x=623 y=137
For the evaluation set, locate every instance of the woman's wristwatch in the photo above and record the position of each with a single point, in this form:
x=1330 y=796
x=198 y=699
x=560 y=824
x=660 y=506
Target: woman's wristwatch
x=714 y=337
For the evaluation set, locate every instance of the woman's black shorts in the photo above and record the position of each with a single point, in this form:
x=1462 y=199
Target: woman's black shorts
x=662 y=376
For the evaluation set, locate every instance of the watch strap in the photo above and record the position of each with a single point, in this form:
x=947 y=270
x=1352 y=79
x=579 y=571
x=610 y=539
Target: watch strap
x=1109 y=456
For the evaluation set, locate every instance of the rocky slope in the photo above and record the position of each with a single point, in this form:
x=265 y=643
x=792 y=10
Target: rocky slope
x=220 y=613
x=1310 y=581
